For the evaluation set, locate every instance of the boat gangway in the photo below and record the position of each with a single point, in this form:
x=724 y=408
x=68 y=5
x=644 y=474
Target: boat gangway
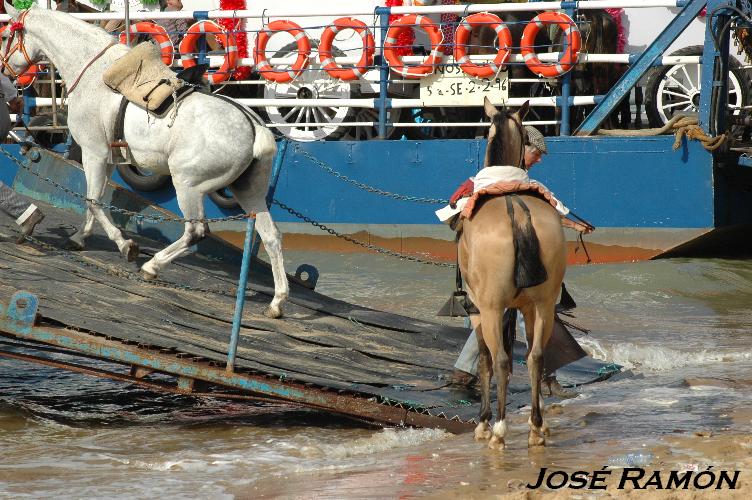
x=91 y=312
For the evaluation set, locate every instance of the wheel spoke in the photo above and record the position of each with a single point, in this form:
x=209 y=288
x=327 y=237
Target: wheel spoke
x=673 y=105
x=679 y=84
x=293 y=110
x=689 y=79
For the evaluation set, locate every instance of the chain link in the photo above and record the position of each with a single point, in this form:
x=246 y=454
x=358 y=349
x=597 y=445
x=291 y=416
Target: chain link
x=363 y=244
x=366 y=187
x=156 y=219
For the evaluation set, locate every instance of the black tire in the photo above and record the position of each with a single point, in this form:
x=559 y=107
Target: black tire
x=49 y=138
x=141 y=180
x=652 y=88
x=223 y=198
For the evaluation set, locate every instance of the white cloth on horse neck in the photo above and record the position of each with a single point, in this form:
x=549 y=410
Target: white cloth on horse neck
x=491 y=175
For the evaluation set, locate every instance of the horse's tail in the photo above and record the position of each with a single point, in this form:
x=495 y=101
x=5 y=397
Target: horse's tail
x=529 y=270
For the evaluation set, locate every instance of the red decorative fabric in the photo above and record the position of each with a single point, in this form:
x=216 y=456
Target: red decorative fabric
x=506 y=188
x=448 y=27
x=407 y=38
x=465 y=189
x=237 y=27
x=16 y=27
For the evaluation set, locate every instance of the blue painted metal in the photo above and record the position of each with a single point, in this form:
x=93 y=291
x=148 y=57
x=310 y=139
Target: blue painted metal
x=745 y=161
x=279 y=158
x=715 y=94
x=22 y=309
x=566 y=83
x=383 y=14
x=240 y=297
x=643 y=63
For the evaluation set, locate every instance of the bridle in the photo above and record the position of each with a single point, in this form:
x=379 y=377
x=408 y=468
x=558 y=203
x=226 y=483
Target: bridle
x=9 y=49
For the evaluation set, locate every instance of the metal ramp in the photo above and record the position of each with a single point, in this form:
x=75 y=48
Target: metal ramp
x=76 y=310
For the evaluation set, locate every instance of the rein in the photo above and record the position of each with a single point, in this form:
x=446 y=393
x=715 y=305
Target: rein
x=16 y=27
x=86 y=66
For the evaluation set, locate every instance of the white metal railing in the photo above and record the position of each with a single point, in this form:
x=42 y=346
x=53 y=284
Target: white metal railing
x=372 y=77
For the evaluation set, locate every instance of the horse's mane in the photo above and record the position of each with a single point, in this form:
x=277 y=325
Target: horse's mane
x=499 y=152
x=74 y=27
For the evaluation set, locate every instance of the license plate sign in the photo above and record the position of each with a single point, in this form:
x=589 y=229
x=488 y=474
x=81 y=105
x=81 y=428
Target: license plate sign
x=449 y=85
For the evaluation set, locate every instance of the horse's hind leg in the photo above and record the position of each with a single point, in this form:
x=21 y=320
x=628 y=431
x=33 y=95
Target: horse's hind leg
x=492 y=335
x=250 y=190
x=96 y=180
x=482 y=430
x=538 y=327
x=191 y=204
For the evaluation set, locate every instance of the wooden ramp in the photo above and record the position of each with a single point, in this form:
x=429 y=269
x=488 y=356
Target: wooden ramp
x=78 y=309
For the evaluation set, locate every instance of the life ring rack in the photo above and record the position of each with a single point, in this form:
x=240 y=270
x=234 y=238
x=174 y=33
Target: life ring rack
x=571 y=54
x=462 y=36
x=325 y=49
x=189 y=45
x=304 y=52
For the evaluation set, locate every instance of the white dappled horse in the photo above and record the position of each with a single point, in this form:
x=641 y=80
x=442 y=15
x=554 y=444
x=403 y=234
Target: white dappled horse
x=210 y=145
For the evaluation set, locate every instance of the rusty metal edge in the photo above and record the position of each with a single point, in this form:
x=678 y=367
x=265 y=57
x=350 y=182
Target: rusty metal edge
x=366 y=408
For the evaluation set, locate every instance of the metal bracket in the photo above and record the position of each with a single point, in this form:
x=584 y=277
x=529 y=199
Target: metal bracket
x=23 y=308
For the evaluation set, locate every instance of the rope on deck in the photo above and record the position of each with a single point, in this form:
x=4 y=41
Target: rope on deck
x=681 y=126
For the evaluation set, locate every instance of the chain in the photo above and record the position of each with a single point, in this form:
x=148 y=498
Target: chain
x=366 y=187
x=135 y=215
x=363 y=244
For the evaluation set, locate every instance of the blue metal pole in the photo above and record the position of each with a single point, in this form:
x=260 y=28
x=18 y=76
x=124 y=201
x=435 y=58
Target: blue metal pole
x=566 y=87
x=240 y=297
x=711 y=84
x=383 y=13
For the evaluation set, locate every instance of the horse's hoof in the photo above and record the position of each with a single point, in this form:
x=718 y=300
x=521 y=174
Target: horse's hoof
x=273 y=312
x=496 y=443
x=535 y=439
x=482 y=433
x=147 y=276
x=74 y=246
x=130 y=251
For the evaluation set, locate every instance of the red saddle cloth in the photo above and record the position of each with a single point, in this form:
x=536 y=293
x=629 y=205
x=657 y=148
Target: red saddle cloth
x=466 y=191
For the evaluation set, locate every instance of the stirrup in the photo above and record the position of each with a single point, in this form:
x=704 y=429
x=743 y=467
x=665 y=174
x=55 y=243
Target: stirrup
x=458 y=305
x=120 y=154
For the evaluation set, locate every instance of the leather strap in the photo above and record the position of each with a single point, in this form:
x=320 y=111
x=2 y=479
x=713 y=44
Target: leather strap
x=91 y=61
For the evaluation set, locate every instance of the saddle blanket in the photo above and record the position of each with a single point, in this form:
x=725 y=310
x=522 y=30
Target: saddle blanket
x=495 y=180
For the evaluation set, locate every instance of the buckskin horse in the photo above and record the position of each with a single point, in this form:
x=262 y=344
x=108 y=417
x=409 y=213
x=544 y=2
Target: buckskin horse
x=495 y=245
x=210 y=144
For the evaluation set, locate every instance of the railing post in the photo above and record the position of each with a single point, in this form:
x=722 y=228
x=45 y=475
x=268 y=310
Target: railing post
x=240 y=296
x=273 y=178
x=566 y=82
x=383 y=13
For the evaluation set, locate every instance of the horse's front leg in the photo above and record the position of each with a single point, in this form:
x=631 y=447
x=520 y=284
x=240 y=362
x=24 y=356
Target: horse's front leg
x=191 y=204
x=97 y=173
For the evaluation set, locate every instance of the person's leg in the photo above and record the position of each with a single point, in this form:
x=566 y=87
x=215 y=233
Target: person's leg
x=467 y=361
x=26 y=214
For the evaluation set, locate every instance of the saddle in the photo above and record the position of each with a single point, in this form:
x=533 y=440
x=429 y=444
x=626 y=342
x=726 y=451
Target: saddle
x=143 y=79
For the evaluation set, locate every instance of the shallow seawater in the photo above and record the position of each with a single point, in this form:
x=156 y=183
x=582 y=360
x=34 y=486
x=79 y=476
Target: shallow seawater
x=681 y=329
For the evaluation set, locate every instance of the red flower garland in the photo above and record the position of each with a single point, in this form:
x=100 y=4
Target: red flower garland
x=407 y=38
x=237 y=26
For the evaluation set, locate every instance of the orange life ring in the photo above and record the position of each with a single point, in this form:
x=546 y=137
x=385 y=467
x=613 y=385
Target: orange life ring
x=574 y=44
x=29 y=75
x=189 y=45
x=462 y=36
x=158 y=33
x=390 y=46
x=325 y=49
x=304 y=52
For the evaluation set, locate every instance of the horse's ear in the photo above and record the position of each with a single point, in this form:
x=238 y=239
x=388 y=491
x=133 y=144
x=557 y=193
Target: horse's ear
x=11 y=11
x=490 y=109
x=522 y=112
